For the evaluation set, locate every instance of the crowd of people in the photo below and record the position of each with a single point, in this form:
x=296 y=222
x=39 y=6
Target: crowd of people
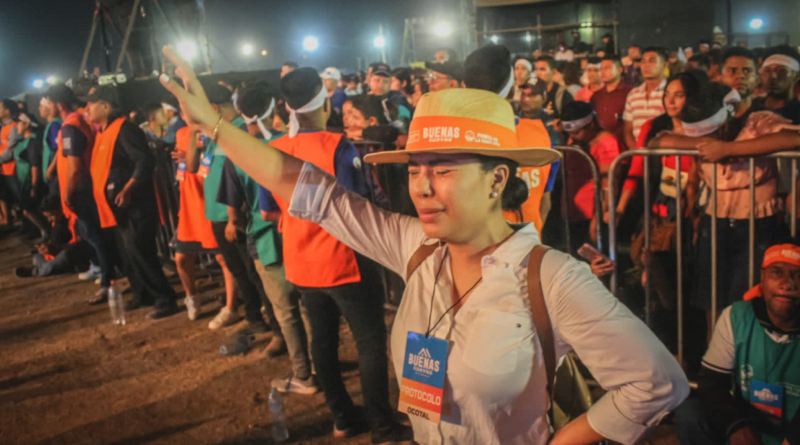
x=306 y=193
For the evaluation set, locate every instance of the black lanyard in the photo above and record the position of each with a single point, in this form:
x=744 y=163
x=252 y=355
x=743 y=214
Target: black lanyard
x=435 y=282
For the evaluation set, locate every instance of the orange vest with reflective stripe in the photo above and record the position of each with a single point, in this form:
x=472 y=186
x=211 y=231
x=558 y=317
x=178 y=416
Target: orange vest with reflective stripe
x=102 y=154
x=192 y=224
x=313 y=257
x=9 y=168
x=62 y=166
x=532 y=133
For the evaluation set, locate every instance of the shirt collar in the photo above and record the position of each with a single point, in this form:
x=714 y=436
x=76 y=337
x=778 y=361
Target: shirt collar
x=516 y=248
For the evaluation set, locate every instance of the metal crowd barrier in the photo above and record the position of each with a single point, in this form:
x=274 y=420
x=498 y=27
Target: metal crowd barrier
x=612 y=235
x=598 y=192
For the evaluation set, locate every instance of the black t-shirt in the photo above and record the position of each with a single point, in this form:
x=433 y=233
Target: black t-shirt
x=736 y=124
x=231 y=189
x=132 y=159
x=791 y=110
x=33 y=152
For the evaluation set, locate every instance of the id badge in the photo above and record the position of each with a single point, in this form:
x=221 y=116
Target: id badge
x=767 y=397
x=180 y=175
x=424 y=367
x=205 y=165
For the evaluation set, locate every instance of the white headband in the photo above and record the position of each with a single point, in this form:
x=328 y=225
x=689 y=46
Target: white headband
x=593 y=65
x=167 y=106
x=712 y=124
x=27 y=120
x=524 y=62
x=578 y=123
x=257 y=120
x=780 y=59
x=507 y=89
x=315 y=104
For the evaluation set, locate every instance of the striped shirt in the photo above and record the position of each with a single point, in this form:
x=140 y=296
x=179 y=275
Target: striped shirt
x=641 y=107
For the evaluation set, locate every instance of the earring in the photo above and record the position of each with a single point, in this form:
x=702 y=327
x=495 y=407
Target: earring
x=493 y=195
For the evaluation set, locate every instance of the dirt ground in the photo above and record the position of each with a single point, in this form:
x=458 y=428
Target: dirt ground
x=69 y=376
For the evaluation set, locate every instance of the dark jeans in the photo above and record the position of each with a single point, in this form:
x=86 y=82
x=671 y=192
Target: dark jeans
x=68 y=260
x=251 y=290
x=733 y=258
x=88 y=228
x=135 y=233
x=363 y=310
x=692 y=425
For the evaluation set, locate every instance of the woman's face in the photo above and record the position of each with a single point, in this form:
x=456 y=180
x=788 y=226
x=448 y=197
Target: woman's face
x=452 y=194
x=674 y=98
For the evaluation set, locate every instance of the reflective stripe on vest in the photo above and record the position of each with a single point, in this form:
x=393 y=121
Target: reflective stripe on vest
x=102 y=155
x=62 y=165
x=532 y=133
x=8 y=168
x=313 y=257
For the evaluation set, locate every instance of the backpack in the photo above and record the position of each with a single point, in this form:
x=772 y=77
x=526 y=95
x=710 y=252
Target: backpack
x=569 y=394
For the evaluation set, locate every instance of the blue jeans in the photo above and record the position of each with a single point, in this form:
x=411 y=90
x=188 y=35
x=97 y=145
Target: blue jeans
x=692 y=426
x=66 y=261
x=363 y=311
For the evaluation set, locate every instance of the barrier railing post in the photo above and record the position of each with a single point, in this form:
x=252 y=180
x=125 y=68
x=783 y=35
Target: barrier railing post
x=793 y=212
x=679 y=252
x=612 y=214
x=598 y=190
x=565 y=209
x=714 y=246
x=752 y=224
x=646 y=180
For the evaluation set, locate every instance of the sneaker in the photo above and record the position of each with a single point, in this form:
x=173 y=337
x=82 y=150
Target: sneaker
x=351 y=426
x=90 y=275
x=393 y=434
x=192 y=306
x=163 y=312
x=276 y=347
x=226 y=317
x=296 y=386
x=100 y=296
x=24 y=272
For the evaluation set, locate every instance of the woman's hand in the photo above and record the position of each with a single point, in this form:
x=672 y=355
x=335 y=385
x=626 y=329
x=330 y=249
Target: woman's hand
x=194 y=103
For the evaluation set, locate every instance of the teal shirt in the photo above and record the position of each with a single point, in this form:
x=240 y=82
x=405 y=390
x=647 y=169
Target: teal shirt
x=23 y=169
x=216 y=212
x=759 y=357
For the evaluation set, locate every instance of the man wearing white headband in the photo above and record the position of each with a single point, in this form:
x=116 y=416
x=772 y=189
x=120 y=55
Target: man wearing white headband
x=593 y=76
x=522 y=76
x=779 y=73
x=328 y=274
x=174 y=122
x=580 y=124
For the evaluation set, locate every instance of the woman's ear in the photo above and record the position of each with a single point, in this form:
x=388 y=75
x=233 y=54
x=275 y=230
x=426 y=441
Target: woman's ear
x=499 y=177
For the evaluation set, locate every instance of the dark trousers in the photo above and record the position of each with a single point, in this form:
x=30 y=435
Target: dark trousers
x=239 y=262
x=72 y=257
x=135 y=234
x=88 y=228
x=363 y=310
x=692 y=425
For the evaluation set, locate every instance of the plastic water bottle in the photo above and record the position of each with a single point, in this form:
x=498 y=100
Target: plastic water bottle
x=280 y=433
x=238 y=345
x=115 y=305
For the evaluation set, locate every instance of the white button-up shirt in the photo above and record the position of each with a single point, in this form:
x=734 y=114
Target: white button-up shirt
x=496 y=385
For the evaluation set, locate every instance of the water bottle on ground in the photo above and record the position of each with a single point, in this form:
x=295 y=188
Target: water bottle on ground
x=238 y=345
x=115 y=305
x=280 y=433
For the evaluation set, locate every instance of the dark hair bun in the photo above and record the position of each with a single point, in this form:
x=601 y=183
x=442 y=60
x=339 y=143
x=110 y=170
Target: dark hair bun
x=515 y=194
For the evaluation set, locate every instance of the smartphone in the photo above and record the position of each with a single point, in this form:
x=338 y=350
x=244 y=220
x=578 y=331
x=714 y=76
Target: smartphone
x=590 y=253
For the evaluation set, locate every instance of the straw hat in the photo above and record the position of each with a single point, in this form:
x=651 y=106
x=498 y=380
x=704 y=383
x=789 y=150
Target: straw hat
x=462 y=120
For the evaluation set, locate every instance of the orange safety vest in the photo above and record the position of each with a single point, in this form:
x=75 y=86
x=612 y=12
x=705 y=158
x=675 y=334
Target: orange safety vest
x=313 y=257
x=192 y=223
x=102 y=156
x=62 y=166
x=532 y=133
x=9 y=168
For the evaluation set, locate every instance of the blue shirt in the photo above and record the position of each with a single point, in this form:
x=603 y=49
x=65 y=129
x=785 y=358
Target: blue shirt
x=338 y=99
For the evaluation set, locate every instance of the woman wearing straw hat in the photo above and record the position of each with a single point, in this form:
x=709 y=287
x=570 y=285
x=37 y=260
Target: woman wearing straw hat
x=471 y=366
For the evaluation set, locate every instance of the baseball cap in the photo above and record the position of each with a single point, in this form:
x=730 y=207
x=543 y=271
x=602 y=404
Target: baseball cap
x=381 y=69
x=104 y=93
x=331 y=73
x=451 y=68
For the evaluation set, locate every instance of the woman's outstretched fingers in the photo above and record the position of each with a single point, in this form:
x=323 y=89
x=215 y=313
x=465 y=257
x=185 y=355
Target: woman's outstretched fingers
x=173 y=87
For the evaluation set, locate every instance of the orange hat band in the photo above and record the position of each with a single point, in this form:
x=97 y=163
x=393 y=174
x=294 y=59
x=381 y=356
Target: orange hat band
x=782 y=253
x=432 y=132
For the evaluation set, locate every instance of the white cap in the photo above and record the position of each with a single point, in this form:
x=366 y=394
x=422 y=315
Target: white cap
x=331 y=73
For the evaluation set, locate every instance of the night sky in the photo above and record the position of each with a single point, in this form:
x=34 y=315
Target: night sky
x=47 y=37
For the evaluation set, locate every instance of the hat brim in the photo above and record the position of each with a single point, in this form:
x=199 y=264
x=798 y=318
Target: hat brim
x=526 y=157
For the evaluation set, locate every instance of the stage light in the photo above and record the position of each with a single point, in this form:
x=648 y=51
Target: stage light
x=379 y=42
x=247 y=49
x=443 y=29
x=51 y=80
x=264 y=52
x=494 y=39
x=528 y=37
x=38 y=83
x=756 y=23
x=310 y=43
x=187 y=49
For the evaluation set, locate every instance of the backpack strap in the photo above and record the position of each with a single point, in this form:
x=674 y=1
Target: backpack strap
x=541 y=319
x=422 y=253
